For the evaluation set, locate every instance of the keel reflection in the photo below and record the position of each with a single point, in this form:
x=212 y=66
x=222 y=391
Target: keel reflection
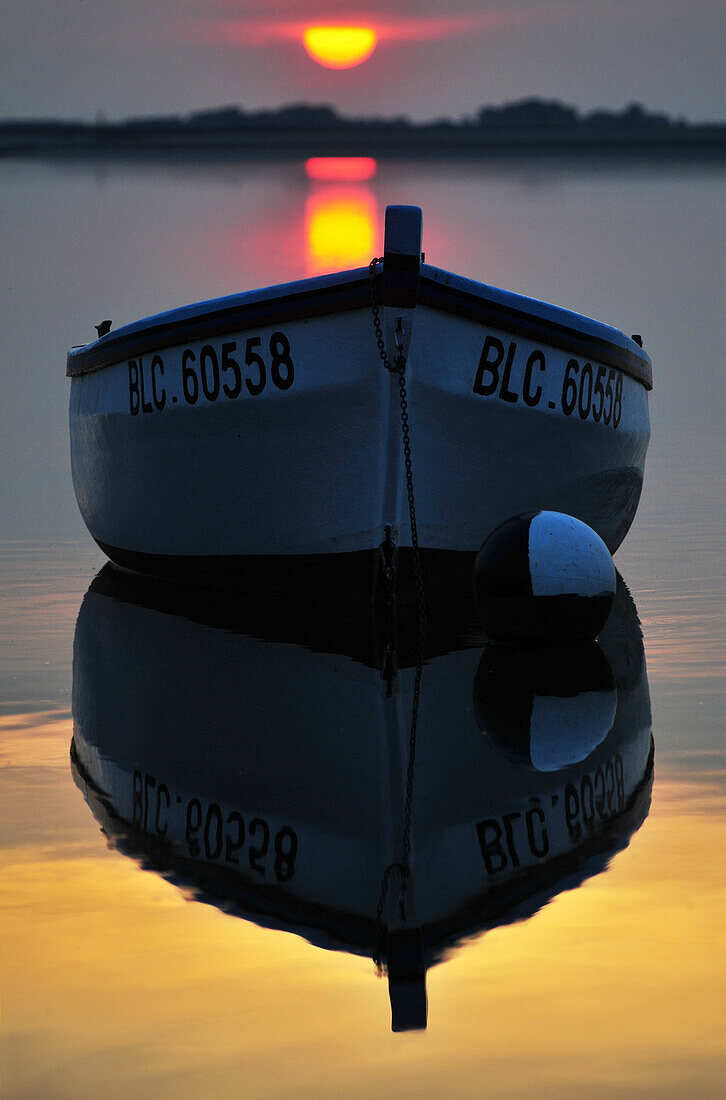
x=260 y=764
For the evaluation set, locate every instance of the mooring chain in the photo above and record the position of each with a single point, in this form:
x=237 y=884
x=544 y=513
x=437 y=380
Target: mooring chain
x=399 y=367
x=377 y=318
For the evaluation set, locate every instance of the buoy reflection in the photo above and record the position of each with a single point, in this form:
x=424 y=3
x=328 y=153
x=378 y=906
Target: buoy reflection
x=341 y=228
x=546 y=707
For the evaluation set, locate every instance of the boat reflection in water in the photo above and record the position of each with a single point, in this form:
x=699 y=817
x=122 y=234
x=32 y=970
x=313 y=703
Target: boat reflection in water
x=260 y=760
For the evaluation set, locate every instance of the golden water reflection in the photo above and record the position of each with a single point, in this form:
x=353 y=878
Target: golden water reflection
x=114 y=983
x=615 y=988
x=341 y=227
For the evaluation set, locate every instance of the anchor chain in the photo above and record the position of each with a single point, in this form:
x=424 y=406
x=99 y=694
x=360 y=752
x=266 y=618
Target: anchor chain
x=377 y=316
x=398 y=367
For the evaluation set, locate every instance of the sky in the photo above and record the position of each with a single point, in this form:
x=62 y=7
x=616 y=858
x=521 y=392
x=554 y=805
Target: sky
x=434 y=58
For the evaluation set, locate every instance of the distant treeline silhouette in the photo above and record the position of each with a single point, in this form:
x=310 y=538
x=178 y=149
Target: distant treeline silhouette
x=528 y=125
x=531 y=113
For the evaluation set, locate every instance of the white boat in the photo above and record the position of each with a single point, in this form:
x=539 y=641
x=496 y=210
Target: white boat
x=256 y=439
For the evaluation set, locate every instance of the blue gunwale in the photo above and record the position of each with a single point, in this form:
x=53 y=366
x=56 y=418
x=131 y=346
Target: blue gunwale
x=349 y=290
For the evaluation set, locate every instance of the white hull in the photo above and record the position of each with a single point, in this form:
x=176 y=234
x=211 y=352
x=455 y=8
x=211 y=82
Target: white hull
x=172 y=462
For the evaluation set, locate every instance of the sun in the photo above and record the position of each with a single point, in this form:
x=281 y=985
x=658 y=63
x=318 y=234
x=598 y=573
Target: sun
x=340 y=47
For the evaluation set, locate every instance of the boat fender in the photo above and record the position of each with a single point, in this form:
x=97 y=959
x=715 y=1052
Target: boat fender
x=544 y=577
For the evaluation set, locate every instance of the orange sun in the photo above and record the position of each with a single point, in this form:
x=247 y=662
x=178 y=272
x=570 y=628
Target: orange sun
x=340 y=47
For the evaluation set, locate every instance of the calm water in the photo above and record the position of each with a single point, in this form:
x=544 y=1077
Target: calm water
x=602 y=977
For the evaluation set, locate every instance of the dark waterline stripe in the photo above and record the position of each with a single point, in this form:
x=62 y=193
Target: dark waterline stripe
x=354 y=576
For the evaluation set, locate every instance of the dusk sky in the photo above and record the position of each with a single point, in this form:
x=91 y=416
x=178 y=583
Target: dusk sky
x=115 y=58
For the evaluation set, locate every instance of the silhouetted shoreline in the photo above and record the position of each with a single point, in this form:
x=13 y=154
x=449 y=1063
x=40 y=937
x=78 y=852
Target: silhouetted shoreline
x=527 y=127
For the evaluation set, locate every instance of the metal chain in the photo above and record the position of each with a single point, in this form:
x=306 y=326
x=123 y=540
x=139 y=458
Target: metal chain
x=377 y=316
x=399 y=368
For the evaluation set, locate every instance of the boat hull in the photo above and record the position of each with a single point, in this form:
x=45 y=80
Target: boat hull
x=273 y=454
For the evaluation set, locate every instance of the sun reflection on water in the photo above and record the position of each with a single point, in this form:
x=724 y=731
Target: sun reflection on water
x=339 y=169
x=341 y=228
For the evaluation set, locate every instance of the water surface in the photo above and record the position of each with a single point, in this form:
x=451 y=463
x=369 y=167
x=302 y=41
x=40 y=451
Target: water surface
x=117 y=977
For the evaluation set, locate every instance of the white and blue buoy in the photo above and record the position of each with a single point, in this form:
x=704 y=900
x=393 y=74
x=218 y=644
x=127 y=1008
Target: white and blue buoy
x=544 y=577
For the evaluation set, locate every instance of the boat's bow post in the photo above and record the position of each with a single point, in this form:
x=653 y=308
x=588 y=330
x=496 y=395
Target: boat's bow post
x=407 y=979
x=400 y=948
x=397 y=293
x=401 y=270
